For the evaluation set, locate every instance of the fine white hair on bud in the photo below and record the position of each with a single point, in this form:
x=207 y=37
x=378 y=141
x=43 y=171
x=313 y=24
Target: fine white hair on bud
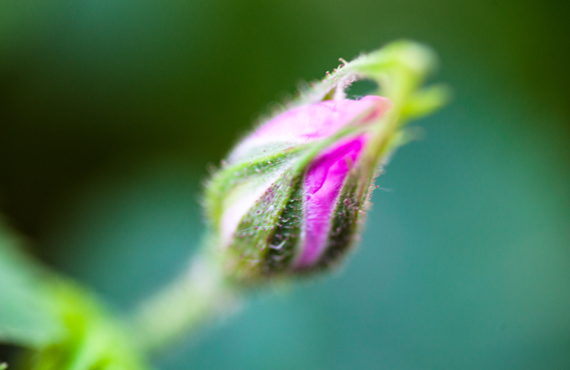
x=291 y=196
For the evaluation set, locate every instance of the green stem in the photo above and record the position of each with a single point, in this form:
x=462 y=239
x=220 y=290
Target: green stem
x=196 y=298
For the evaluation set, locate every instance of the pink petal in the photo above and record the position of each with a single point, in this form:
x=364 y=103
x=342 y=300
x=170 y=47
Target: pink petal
x=323 y=183
x=322 y=119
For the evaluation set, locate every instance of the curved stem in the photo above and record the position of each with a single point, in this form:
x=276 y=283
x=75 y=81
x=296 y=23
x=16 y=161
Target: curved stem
x=197 y=297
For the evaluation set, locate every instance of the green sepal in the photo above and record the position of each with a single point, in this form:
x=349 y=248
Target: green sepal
x=253 y=239
x=285 y=240
x=243 y=176
x=426 y=101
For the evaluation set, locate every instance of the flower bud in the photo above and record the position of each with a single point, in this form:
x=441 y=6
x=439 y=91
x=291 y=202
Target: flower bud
x=291 y=195
x=279 y=205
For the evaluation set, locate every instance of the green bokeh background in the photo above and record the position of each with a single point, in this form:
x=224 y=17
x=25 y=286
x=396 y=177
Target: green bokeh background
x=110 y=111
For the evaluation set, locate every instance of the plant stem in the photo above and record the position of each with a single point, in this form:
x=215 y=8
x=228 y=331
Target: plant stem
x=197 y=297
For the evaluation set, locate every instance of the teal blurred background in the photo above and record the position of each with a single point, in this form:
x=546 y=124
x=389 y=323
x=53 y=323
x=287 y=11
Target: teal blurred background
x=110 y=112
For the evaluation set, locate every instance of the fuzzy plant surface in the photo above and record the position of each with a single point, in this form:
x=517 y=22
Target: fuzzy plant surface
x=292 y=195
x=289 y=202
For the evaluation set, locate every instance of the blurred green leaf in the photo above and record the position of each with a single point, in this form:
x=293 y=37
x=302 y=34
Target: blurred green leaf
x=93 y=341
x=27 y=317
x=63 y=326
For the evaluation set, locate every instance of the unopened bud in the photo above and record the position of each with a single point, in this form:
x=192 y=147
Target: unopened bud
x=292 y=194
x=279 y=205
